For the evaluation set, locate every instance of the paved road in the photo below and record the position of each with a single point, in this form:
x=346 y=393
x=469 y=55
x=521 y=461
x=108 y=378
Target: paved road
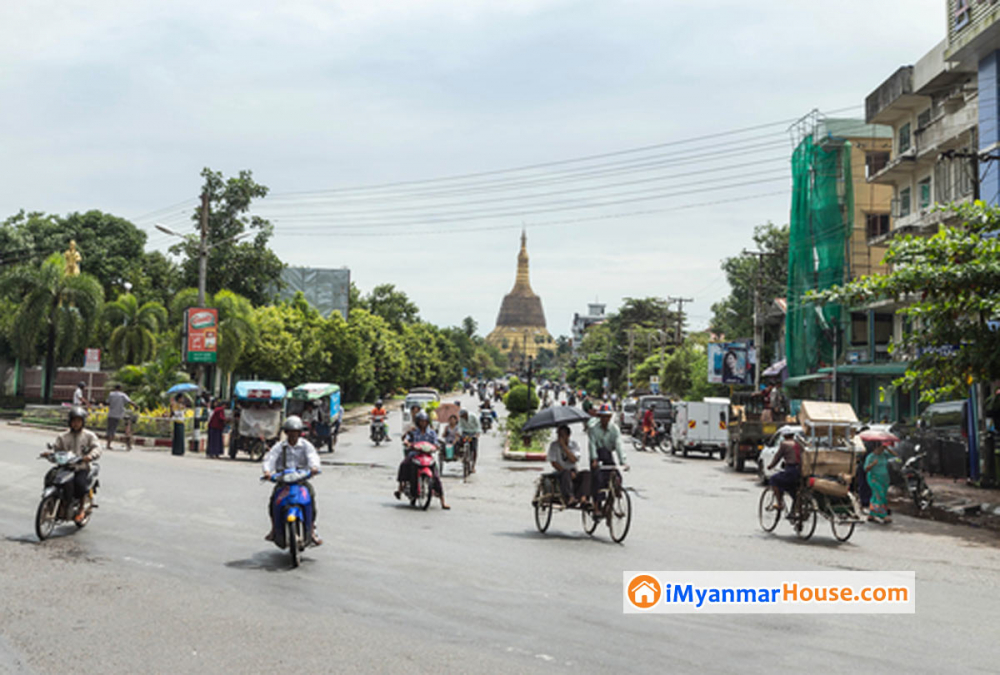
x=173 y=574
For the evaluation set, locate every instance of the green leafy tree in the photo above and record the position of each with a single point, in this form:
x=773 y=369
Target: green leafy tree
x=157 y=279
x=133 y=336
x=392 y=305
x=56 y=314
x=148 y=383
x=469 y=326
x=733 y=315
x=520 y=399
x=382 y=359
x=111 y=247
x=950 y=283
x=248 y=268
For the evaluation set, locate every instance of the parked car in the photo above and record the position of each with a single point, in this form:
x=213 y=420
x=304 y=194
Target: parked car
x=701 y=426
x=942 y=434
x=626 y=418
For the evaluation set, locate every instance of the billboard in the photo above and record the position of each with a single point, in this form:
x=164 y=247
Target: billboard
x=328 y=290
x=731 y=362
x=201 y=334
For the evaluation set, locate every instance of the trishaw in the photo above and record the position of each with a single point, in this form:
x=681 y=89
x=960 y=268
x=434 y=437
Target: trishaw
x=615 y=505
x=828 y=462
x=256 y=420
x=459 y=451
x=325 y=397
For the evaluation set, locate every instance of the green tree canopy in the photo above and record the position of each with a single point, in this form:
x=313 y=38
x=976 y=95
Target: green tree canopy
x=248 y=268
x=392 y=305
x=133 y=328
x=949 y=286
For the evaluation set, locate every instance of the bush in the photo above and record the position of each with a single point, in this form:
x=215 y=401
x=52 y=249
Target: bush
x=520 y=400
x=539 y=440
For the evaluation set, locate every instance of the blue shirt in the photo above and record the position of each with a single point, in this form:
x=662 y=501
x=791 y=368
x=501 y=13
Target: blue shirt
x=417 y=436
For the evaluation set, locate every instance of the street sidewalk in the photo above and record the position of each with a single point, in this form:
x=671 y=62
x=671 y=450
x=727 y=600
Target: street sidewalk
x=955 y=501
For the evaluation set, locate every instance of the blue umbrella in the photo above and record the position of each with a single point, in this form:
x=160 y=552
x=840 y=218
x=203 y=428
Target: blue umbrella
x=183 y=388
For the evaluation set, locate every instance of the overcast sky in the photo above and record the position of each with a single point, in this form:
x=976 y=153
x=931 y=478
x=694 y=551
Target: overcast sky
x=117 y=106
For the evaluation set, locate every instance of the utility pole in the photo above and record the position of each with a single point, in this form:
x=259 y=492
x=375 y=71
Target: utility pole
x=678 y=337
x=631 y=344
x=758 y=318
x=203 y=250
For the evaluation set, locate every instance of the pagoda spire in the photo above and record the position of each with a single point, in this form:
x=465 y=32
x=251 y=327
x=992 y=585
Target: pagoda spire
x=522 y=283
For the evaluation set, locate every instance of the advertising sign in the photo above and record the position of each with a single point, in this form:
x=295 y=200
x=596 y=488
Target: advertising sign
x=92 y=361
x=201 y=335
x=731 y=363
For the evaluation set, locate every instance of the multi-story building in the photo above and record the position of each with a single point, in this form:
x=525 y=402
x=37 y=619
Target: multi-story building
x=932 y=109
x=581 y=322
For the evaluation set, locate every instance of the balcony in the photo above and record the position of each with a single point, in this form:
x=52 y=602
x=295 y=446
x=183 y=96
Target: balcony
x=894 y=99
x=947 y=132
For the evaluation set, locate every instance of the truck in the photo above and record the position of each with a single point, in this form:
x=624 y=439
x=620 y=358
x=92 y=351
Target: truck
x=750 y=425
x=701 y=426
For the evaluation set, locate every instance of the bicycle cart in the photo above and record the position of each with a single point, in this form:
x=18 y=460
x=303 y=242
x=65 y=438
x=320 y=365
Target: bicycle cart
x=325 y=400
x=829 y=459
x=615 y=505
x=256 y=417
x=458 y=452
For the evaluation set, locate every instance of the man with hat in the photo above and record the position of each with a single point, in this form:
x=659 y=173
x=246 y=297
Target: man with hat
x=604 y=437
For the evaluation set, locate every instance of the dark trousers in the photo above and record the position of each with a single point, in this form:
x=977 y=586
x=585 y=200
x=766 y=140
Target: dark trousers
x=407 y=473
x=599 y=481
x=81 y=480
x=178 y=445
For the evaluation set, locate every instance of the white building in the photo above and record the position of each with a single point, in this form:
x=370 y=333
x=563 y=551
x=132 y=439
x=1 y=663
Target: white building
x=595 y=315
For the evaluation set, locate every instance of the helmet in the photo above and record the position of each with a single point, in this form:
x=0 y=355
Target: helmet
x=82 y=385
x=77 y=411
x=605 y=410
x=378 y=403
x=293 y=423
x=421 y=416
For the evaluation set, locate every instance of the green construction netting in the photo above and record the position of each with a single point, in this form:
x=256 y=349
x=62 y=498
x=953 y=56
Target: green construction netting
x=821 y=220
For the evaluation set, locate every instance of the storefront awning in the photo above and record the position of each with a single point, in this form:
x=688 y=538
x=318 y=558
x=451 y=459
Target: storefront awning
x=801 y=379
x=892 y=368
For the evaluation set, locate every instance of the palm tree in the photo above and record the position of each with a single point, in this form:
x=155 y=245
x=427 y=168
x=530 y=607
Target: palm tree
x=56 y=315
x=148 y=383
x=133 y=340
x=237 y=329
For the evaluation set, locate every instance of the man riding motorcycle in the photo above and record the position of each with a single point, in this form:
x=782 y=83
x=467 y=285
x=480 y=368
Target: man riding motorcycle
x=297 y=453
x=421 y=433
x=84 y=444
x=648 y=426
x=378 y=416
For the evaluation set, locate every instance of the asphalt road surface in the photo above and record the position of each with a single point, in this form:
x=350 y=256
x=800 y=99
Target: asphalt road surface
x=173 y=575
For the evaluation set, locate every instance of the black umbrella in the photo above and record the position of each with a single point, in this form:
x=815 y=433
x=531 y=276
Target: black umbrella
x=554 y=417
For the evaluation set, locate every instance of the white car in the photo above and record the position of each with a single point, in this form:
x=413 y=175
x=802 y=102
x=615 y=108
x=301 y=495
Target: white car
x=626 y=418
x=771 y=449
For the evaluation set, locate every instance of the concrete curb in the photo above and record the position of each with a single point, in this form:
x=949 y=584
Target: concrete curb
x=524 y=456
x=137 y=441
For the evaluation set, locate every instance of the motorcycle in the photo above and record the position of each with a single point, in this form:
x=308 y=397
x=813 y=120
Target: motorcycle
x=378 y=430
x=659 y=440
x=59 y=504
x=419 y=491
x=909 y=478
x=292 y=510
x=486 y=418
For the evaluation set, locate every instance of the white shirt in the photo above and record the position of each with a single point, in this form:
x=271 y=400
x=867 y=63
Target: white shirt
x=302 y=455
x=556 y=454
x=78 y=396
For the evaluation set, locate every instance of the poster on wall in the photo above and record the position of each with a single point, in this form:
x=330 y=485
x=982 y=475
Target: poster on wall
x=731 y=363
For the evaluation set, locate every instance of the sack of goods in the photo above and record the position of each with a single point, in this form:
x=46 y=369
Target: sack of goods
x=829 y=487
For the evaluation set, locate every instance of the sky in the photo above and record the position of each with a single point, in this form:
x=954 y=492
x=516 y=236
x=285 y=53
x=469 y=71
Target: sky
x=118 y=105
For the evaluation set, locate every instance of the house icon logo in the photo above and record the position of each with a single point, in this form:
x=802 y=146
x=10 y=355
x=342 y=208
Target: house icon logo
x=644 y=591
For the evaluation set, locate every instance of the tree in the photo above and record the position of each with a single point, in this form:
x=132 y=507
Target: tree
x=157 y=279
x=147 y=384
x=950 y=283
x=133 y=338
x=392 y=305
x=249 y=268
x=112 y=247
x=733 y=315
x=469 y=326
x=56 y=315
x=381 y=360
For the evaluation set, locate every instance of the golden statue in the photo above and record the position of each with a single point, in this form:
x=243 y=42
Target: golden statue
x=73 y=259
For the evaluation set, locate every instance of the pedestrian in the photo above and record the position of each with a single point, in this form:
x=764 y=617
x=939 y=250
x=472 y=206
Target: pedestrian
x=117 y=400
x=80 y=396
x=177 y=406
x=877 y=468
x=216 y=426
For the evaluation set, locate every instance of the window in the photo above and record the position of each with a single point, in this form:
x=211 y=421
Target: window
x=904 y=202
x=963 y=13
x=876 y=224
x=859 y=328
x=903 y=143
x=883 y=329
x=875 y=162
x=923 y=119
x=924 y=192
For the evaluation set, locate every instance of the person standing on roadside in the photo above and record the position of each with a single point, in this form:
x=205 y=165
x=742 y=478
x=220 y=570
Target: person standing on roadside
x=216 y=426
x=80 y=395
x=177 y=407
x=117 y=400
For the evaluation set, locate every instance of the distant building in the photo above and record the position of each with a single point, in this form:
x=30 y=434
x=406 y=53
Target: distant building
x=520 y=330
x=595 y=315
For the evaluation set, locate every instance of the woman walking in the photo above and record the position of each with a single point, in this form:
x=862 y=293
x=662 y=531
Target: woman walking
x=216 y=425
x=877 y=468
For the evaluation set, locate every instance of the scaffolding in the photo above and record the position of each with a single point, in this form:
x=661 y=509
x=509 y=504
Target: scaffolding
x=821 y=222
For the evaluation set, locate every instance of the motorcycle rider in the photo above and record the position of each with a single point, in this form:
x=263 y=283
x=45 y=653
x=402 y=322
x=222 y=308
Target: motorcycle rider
x=421 y=433
x=378 y=415
x=297 y=453
x=83 y=443
x=471 y=429
x=648 y=426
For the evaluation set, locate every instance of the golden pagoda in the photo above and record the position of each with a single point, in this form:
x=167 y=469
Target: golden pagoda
x=520 y=328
